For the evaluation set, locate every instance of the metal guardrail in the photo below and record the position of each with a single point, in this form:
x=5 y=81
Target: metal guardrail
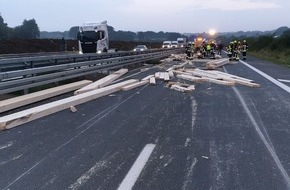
x=24 y=73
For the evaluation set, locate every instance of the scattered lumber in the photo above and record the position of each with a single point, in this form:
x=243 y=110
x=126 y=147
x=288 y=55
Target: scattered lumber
x=19 y=101
x=157 y=75
x=166 y=76
x=191 y=78
x=135 y=85
x=227 y=83
x=73 y=109
x=178 y=83
x=181 y=88
x=171 y=74
x=102 y=82
x=152 y=81
x=148 y=77
x=232 y=76
x=217 y=63
x=19 y=118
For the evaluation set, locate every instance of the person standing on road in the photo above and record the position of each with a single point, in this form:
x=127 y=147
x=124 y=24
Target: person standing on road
x=230 y=50
x=244 y=49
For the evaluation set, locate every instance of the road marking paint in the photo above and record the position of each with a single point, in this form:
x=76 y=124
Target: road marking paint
x=260 y=133
x=133 y=174
x=281 y=85
x=283 y=80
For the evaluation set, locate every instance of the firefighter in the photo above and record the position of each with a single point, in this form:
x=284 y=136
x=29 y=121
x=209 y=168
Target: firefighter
x=212 y=50
x=235 y=51
x=188 y=51
x=208 y=49
x=230 y=50
x=220 y=47
x=244 y=49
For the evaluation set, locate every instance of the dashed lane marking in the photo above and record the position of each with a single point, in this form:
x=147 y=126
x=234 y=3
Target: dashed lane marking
x=137 y=168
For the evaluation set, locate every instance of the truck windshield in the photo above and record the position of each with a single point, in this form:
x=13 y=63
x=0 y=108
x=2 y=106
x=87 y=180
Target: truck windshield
x=92 y=35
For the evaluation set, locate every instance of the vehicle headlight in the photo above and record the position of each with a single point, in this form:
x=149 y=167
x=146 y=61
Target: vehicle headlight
x=99 y=51
x=142 y=49
x=134 y=50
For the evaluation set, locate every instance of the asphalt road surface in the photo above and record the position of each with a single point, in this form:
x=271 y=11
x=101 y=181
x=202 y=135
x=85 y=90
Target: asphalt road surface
x=154 y=138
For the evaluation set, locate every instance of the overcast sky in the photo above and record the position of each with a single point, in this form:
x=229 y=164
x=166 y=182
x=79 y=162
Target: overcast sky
x=184 y=16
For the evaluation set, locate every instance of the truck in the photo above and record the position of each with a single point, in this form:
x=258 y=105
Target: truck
x=181 y=42
x=93 y=37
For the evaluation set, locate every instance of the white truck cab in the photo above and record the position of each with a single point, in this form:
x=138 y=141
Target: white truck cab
x=181 y=42
x=174 y=44
x=166 y=44
x=93 y=37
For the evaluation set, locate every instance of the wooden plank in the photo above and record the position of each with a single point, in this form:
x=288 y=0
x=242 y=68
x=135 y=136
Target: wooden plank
x=148 y=77
x=217 y=63
x=19 y=118
x=179 y=84
x=166 y=76
x=171 y=74
x=102 y=82
x=191 y=87
x=201 y=73
x=180 y=88
x=232 y=76
x=227 y=83
x=190 y=78
x=152 y=81
x=162 y=75
x=135 y=85
x=157 y=75
x=19 y=101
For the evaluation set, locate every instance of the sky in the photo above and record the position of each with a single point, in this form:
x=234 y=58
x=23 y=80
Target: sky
x=183 y=16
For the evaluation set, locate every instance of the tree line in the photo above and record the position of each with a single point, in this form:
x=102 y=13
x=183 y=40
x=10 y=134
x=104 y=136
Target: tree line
x=28 y=30
x=274 y=48
x=148 y=36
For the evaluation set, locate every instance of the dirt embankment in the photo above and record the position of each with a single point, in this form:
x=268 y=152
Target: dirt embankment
x=55 y=45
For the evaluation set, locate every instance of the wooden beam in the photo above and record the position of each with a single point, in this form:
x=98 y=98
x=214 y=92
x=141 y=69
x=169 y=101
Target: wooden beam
x=19 y=118
x=180 y=88
x=191 y=78
x=148 y=77
x=166 y=76
x=135 y=85
x=179 y=84
x=102 y=82
x=217 y=63
x=227 y=83
x=19 y=101
x=232 y=76
x=152 y=81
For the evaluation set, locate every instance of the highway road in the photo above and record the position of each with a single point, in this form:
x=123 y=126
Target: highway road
x=154 y=138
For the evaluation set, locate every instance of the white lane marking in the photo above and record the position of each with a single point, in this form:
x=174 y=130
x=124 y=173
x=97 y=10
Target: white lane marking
x=281 y=85
x=283 y=80
x=267 y=144
x=133 y=174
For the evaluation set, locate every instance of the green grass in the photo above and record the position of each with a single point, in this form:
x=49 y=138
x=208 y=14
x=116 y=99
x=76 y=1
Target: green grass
x=282 y=58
